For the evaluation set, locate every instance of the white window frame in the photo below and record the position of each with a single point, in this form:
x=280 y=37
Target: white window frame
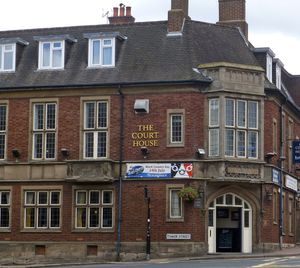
x=211 y=101
x=269 y=67
x=217 y=142
x=101 y=49
x=234 y=117
x=52 y=49
x=5 y=206
x=3 y=50
x=182 y=128
x=36 y=205
x=95 y=130
x=256 y=123
x=278 y=76
x=4 y=132
x=44 y=131
x=170 y=204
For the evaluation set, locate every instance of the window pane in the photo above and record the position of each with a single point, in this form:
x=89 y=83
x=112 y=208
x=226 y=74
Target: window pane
x=42 y=217
x=89 y=144
x=229 y=112
x=55 y=217
x=81 y=198
x=238 y=201
x=102 y=114
x=107 y=217
x=241 y=143
x=89 y=115
x=29 y=217
x=229 y=199
x=43 y=198
x=94 y=197
x=38 y=116
x=252 y=114
x=210 y=218
x=252 y=144
x=46 y=55
x=229 y=142
x=81 y=217
x=176 y=131
x=101 y=152
x=55 y=198
x=50 y=145
x=107 y=56
x=2 y=118
x=175 y=204
x=30 y=198
x=57 y=59
x=107 y=197
x=4 y=217
x=96 y=52
x=1 y=57
x=8 y=60
x=38 y=145
x=94 y=217
x=214 y=112
x=246 y=220
x=241 y=113
x=220 y=200
x=5 y=198
x=51 y=115
x=2 y=146
x=214 y=142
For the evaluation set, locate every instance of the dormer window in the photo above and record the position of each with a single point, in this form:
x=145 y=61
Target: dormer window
x=51 y=55
x=52 y=51
x=7 y=57
x=279 y=66
x=102 y=52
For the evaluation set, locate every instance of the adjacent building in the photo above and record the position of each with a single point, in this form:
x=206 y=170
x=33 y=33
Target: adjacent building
x=168 y=138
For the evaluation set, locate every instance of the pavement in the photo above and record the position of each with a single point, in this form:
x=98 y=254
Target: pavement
x=285 y=252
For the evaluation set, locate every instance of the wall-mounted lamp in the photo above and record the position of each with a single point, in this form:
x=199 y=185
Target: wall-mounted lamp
x=201 y=152
x=65 y=152
x=16 y=153
x=144 y=151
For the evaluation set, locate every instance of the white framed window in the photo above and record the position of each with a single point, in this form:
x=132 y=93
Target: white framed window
x=269 y=67
x=175 y=204
x=95 y=129
x=5 y=209
x=94 y=209
x=241 y=129
x=214 y=112
x=101 y=52
x=176 y=128
x=51 y=54
x=7 y=57
x=3 y=130
x=214 y=118
x=44 y=131
x=278 y=76
x=214 y=145
x=42 y=209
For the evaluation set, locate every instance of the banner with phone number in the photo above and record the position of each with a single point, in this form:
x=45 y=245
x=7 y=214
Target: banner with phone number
x=158 y=170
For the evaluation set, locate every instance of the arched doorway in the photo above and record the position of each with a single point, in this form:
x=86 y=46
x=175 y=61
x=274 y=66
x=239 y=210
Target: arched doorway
x=229 y=224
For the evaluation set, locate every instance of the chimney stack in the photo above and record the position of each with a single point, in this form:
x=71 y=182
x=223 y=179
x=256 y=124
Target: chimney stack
x=119 y=16
x=178 y=13
x=233 y=13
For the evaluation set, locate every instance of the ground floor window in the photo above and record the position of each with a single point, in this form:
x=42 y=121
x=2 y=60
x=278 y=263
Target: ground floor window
x=94 y=209
x=174 y=203
x=4 y=209
x=42 y=209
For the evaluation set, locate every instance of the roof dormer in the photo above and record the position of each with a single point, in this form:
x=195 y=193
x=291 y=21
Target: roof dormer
x=8 y=48
x=265 y=56
x=52 y=51
x=278 y=66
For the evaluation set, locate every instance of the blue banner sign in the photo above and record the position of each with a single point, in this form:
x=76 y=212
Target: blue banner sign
x=276 y=176
x=296 y=151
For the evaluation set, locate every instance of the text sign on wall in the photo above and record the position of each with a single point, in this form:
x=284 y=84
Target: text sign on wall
x=145 y=136
x=158 y=170
x=276 y=176
x=178 y=236
x=296 y=151
x=291 y=183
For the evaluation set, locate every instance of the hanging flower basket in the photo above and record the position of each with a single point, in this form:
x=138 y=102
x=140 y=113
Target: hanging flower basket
x=188 y=193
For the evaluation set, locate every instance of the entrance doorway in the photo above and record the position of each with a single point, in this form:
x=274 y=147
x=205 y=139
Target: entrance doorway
x=229 y=225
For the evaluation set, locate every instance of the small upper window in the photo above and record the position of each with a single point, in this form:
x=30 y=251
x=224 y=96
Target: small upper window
x=51 y=55
x=102 y=52
x=269 y=65
x=278 y=76
x=7 y=57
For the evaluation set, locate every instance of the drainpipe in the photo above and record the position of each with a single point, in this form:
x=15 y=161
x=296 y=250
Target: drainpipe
x=118 y=248
x=281 y=160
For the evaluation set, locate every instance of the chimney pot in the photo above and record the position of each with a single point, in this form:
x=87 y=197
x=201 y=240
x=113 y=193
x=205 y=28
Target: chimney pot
x=128 y=11
x=119 y=16
x=122 y=11
x=116 y=11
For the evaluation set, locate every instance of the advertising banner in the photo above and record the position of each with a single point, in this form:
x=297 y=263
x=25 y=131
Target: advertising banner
x=296 y=152
x=159 y=170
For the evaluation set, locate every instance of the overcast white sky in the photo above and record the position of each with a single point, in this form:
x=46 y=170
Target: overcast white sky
x=272 y=23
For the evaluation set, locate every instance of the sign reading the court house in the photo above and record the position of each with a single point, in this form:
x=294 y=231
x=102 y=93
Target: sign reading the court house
x=159 y=170
x=145 y=136
x=296 y=151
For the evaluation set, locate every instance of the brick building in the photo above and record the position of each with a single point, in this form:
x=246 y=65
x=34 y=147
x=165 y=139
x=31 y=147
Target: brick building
x=102 y=124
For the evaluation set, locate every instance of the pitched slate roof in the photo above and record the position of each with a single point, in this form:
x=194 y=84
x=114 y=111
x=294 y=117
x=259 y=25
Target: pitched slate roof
x=146 y=55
